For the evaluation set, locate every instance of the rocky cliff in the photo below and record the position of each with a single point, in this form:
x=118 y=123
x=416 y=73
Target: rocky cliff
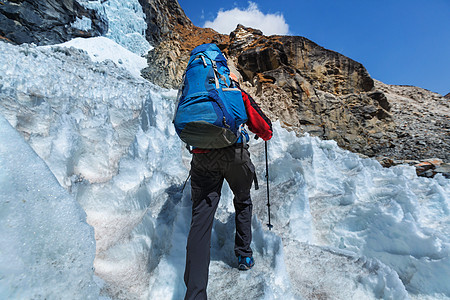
x=48 y=22
x=312 y=89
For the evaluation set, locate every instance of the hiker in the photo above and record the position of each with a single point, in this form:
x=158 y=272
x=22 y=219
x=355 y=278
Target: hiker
x=212 y=162
x=208 y=170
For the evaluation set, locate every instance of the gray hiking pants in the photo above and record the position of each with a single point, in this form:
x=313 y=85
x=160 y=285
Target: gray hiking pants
x=208 y=170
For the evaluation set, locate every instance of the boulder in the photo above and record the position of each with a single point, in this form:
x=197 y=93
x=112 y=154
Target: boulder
x=427 y=168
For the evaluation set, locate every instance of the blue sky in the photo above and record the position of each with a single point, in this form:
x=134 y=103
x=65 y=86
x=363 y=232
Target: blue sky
x=398 y=41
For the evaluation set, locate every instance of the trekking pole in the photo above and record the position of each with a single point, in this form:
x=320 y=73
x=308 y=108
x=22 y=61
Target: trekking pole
x=184 y=185
x=267 y=179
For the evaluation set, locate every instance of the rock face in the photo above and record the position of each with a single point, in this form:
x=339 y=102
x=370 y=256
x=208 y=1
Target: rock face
x=327 y=70
x=312 y=89
x=47 y=22
x=162 y=17
x=422 y=122
x=447 y=96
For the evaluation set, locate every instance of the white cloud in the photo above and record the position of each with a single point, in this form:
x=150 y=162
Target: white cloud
x=227 y=20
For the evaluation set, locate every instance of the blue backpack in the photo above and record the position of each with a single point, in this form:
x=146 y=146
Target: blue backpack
x=210 y=112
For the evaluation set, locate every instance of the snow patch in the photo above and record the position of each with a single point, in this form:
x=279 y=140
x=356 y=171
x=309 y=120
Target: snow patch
x=102 y=48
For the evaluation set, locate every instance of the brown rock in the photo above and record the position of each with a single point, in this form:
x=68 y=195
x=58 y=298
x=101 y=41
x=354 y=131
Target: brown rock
x=386 y=161
x=163 y=17
x=426 y=168
x=327 y=70
x=283 y=75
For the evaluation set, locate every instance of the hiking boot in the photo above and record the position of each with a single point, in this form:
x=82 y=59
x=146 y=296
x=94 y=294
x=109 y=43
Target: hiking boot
x=245 y=263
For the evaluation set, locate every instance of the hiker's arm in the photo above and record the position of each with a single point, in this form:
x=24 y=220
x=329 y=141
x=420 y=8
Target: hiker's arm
x=258 y=122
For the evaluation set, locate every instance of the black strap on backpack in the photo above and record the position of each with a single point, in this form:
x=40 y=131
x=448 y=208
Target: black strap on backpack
x=255 y=181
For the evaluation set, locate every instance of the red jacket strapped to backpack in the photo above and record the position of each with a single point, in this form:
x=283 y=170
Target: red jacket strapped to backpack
x=257 y=122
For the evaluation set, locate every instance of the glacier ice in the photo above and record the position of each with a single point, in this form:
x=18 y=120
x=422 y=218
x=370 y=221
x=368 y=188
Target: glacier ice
x=46 y=247
x=126 y=23
x=84 y=24
x=389 y=215
x=344 y=227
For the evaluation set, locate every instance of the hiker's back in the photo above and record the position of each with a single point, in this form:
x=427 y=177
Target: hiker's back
x=210 y=113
